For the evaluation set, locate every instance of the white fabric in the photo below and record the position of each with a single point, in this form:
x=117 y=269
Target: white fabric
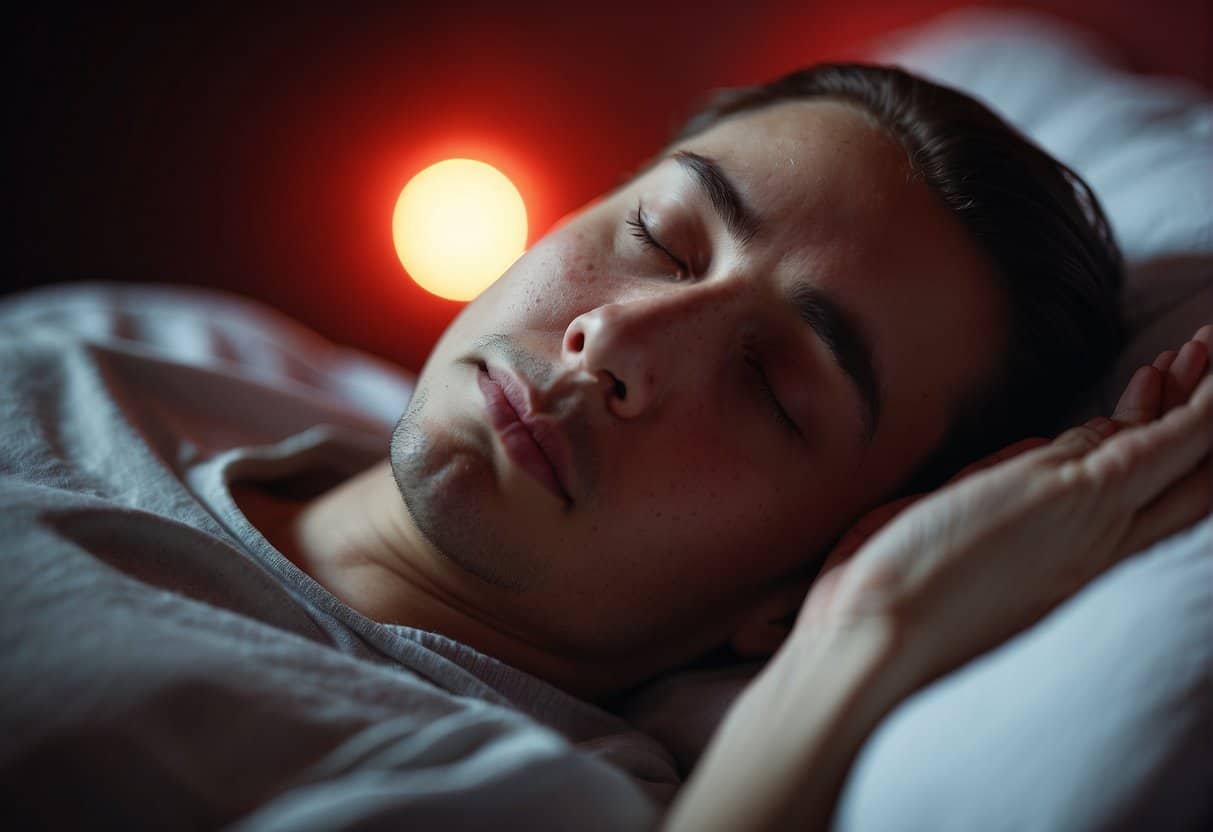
x=1098 y=718
x=1101 y=717
x=163 y=666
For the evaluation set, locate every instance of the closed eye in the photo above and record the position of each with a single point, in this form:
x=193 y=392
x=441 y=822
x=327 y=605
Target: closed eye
x=641 y=231
x=772 y=398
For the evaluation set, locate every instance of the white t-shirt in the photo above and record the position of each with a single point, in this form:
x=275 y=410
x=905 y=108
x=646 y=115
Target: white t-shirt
x=161 y=664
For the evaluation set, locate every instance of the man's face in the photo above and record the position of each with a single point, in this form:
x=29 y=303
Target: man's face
x=731 y=356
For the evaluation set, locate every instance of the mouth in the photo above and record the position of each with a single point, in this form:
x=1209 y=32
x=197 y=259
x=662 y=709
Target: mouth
x=531 y=442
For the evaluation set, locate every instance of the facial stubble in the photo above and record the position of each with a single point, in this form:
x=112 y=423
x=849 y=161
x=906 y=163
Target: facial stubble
x=457 y=531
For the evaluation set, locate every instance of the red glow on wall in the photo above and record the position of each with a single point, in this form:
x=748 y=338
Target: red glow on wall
x=290 y=138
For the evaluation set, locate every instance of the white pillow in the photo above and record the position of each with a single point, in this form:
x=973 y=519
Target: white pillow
x=1101 y=716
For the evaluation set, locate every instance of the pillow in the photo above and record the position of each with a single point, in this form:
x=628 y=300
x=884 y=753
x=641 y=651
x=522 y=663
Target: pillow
x=1100 y=716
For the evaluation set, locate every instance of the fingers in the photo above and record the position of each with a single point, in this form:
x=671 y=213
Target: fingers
x=1165 y=360
x=1205 y=336
x=1166 y=383
x=1142 y=400
x=1178 y=507
x=1183 y=373
x=1182 y=369
x=1142 y=463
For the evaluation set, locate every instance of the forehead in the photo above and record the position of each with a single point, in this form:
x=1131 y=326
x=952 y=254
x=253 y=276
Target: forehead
x=840 y=207
x=816 y=171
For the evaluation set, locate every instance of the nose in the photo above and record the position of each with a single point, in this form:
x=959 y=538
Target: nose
x=642 y=348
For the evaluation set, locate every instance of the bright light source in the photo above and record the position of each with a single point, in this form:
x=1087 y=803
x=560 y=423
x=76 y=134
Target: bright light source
x=458 y=225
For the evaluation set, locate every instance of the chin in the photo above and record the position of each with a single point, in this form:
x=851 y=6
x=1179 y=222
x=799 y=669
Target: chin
x=448 y=488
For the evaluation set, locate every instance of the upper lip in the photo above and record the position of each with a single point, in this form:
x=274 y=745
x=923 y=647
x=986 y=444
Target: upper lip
x=543 y=429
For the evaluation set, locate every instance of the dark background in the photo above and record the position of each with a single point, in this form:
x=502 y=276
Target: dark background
x=262 y=151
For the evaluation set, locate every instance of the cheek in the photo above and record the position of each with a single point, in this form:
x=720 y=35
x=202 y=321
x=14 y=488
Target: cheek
x=722 y=504
x=689 y=481
x=577 y=273
x=701 y=531
x=556 y=280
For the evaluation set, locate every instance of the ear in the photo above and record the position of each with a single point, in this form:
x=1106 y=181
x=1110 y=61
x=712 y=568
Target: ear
x=768 y=623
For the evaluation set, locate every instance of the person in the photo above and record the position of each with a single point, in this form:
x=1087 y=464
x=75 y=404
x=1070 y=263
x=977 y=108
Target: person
x=746 y=329
x=641 y=443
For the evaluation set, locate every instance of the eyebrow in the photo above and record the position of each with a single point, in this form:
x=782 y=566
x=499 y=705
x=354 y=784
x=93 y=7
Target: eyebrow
x=830 y=320
x=740 y=220
x=849 y=344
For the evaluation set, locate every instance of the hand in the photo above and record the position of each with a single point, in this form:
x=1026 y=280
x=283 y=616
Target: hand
x=951 y=576
x=1019 y=532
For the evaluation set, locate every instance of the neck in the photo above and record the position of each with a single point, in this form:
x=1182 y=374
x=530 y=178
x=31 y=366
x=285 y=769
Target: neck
x=359 y=541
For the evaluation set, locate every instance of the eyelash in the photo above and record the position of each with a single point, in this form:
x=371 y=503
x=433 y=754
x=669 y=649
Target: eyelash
x=640 y=230
x=769 y=393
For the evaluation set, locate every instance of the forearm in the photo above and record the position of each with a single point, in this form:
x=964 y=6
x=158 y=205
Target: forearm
x=781 y=756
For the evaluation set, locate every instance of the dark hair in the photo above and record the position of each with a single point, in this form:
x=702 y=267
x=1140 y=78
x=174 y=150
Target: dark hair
x=1039 y=224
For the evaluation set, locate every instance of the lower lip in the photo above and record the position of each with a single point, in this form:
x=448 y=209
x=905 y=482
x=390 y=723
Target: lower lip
x=519 y=445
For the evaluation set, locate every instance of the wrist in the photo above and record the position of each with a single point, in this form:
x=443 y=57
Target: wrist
x=781 y=756
x=853 y=670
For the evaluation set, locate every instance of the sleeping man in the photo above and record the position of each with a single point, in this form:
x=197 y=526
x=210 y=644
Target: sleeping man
x=639 y=445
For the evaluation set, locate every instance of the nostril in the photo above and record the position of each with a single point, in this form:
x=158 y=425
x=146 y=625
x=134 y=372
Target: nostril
x=577 y=342
x=621 y=390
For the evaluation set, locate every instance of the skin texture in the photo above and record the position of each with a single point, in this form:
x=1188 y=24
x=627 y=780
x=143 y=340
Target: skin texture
x=692 y=502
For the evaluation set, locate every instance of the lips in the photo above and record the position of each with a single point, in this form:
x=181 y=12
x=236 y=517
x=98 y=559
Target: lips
x=532 y=443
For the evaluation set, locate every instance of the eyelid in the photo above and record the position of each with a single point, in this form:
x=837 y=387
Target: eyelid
x=768 y=389
x=641 y=231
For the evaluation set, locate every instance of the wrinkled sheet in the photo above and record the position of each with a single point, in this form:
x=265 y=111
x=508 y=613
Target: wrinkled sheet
x=158 y=670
